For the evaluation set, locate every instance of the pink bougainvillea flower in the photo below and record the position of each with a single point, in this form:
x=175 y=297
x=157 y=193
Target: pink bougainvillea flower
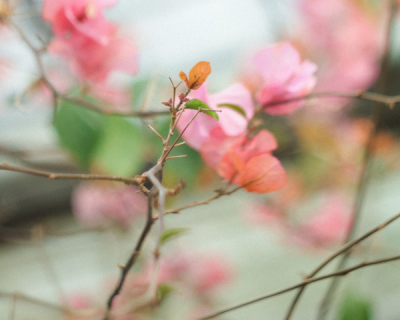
x=87 y=39
x=202 y=273
x=231 y=122
x=92 y=61
x=284 y=76
x=329 y=223
x=334 y=31
x=249 y=164
x=217 y=145
x=71 y=19
x=95 y=204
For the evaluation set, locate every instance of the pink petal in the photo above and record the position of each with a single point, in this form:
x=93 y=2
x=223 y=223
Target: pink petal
x=262 y=174
x=276 y=63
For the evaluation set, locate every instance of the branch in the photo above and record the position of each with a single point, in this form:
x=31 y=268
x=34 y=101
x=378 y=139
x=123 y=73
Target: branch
x=334 y=255
x=219 y=194
x=390 y=101
x=305 y=282
x=74 y=176
x=367 y=158
x=23 y=297
x=125 y=269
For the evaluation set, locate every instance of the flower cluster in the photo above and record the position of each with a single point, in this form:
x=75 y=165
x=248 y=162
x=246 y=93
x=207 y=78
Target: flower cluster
x=87 y=39
x=227 y=145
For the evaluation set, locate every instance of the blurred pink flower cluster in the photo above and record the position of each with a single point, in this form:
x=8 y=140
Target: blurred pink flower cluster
x=87 y=39
x=324 y=225
x=97 y=204
x=344 y=36
x=194 y=276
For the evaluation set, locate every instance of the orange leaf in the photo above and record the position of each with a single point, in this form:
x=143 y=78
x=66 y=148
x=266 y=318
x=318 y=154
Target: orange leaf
x=183 y=76
x=197 y=75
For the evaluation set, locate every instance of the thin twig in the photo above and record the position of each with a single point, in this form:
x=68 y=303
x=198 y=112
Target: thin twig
x=219 y=194
x=336 y=254
x=390 y=101
x=23 y=297
x=305 y=282
x=74 y=176
x=367 y=159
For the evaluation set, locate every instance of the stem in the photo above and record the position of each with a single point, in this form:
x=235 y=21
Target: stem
x=74 y=176
x=345 y=248
x=125 y=269
x=305 y=282
x=367 y=161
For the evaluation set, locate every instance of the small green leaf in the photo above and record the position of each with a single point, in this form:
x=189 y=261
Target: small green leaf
x=233 y=107
x=355 y=307
x=197 y=104
x=171 y=234
x=163 y=291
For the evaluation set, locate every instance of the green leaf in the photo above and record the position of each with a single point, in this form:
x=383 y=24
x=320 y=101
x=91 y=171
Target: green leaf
x=233 y=107
x=171 y=234
x=197 y=104
x=163 y=291
x=118 y=148
x=78 y=130
x=355 y=307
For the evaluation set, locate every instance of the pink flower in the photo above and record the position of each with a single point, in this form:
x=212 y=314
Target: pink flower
x=71 y=19
x=83 y=35
x=231 y=122
x=284 y=76
x=346 y=39
x=249 y=164
x=97 y=204
x=202 y=273
x=329 y=223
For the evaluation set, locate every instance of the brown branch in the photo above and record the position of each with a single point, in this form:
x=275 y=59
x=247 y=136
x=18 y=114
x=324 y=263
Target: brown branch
x=339 y=273
x=367 y=158
x=219 y=194
x=390 y=101
x=74 y=176
x=125 y=269
x=345 y=248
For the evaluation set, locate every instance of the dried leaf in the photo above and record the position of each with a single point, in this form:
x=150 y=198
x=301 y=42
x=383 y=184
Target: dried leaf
x=183 y=76
x=197 y=76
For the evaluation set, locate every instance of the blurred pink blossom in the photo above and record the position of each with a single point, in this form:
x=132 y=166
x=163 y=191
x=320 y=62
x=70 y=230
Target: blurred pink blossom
x=283 y=76
x=329 y=223
x=97 y=204
x=231 y=122
x=87 y=39
x=324 y=225
x=344 y=36
x=201 y=272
